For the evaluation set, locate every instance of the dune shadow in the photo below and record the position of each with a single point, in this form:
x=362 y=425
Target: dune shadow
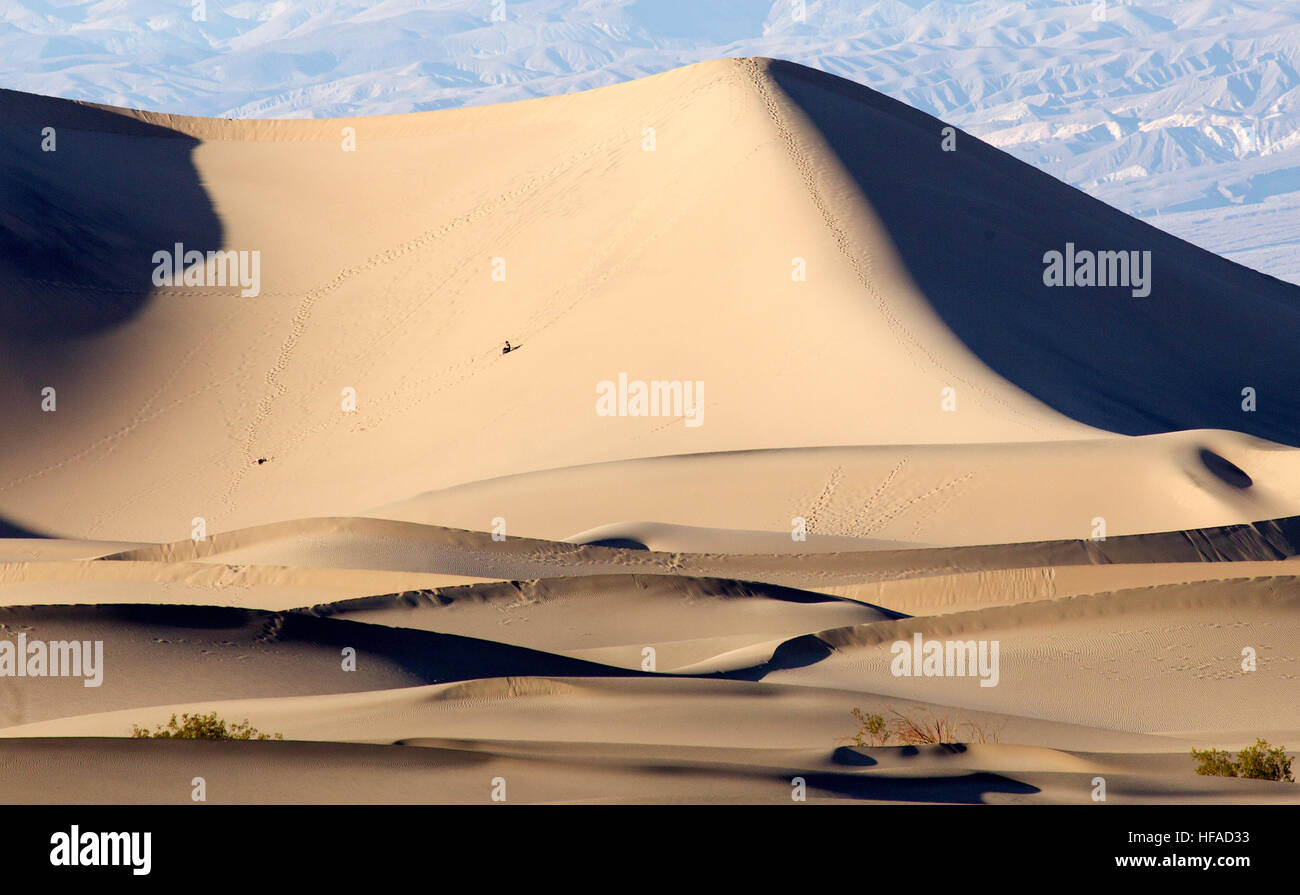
x=972 y=226
x=1225 y=469
x=11 y=530
x=153 y=654
x=436 y=658
x=797 y=652
x=810 y=597
x=848 y=755
x=617 y=543
x=87 y=196
x=182 y=616
x=966 y=789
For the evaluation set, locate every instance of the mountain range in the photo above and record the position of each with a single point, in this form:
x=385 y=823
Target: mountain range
x=1181 y=112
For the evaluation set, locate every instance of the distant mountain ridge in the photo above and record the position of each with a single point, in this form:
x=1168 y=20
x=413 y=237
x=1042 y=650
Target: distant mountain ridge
x=1182 y=112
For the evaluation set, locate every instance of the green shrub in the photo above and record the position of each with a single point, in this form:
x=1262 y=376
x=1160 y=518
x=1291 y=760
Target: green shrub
x=871 y=729
x=203 y=727
x=1258 y=762
x=1215 y=763
x=1262 y=762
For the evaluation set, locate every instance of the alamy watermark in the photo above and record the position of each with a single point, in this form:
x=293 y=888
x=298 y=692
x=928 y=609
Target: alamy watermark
x=56 y=658
x=658 y=397
x=1088 y=268
x=179 y=267
x=87 y=849
x=946 y=658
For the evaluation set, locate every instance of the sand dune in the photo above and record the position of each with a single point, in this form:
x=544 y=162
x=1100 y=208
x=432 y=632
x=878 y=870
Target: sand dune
x=594 y=231
x=895 y=428
x=925 y=495
x=614 y=619
x=424 y=549
x=1183 y=642
x=254 y=773
x=546 y=712
x=939 y=594
x=274 y=588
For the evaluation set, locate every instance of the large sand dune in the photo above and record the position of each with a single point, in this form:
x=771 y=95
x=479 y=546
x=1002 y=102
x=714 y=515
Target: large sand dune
x=901 y=431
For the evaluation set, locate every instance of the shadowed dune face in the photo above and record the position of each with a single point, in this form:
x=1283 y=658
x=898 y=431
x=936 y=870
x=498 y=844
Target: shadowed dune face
x=972 y=226
x=87 y=196
x=80 y=219
x=10 y=530
x=153 y=654
x=1225 y=469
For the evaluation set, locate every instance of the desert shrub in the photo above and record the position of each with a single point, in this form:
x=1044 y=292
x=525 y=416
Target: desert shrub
x=871 y=729
x=984 y=733
x=1258 y=762
x=1215 y=763
x=921 y=731
x=203 y=727
x=1264 y=762
x=876 y=730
